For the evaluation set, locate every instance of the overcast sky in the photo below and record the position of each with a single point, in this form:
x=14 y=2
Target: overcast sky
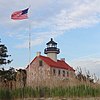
x=74 y=25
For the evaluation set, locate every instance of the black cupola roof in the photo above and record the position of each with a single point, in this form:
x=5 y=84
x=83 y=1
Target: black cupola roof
x=51 y=42
x=51 y=47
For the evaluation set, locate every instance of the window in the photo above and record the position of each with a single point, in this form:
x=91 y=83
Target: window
x=58 y=72
x=63 y=73
x=40 y=63
x=54 y=71
x=67 y=73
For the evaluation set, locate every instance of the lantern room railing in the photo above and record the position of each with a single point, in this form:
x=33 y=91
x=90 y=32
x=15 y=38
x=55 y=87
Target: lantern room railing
x=52 y=49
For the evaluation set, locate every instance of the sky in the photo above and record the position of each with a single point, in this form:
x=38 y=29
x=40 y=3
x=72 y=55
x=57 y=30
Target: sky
x=74 y=25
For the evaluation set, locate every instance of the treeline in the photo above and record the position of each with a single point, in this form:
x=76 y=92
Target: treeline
x=70 y=91
x=12 y=79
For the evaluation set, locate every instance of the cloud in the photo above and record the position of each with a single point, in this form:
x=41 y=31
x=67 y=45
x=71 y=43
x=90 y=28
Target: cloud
x=32 y=43
x=90 y=64
x=49 y=16
x=38 y=39
x=83 y=15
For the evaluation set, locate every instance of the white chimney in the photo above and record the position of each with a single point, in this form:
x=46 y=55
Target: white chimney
x=38 y=53
x=62 y=59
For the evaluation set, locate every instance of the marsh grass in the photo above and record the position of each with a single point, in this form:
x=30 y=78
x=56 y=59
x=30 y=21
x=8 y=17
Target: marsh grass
x=70 y=91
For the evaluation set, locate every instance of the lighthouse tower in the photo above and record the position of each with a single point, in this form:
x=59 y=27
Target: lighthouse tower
x=52 y=50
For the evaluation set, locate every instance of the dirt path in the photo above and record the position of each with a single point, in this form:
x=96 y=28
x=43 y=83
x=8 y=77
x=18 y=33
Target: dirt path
x=90 y=98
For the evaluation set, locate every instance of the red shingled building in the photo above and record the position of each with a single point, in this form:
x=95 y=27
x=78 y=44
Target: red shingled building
x=43 y=70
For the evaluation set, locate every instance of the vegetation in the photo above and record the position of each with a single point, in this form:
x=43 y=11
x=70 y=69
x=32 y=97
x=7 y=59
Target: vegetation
x=73 y=91
x=4 y=55
x=86 y=77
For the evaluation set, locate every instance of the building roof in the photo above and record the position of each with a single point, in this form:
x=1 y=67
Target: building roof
x=59 y=64
x=51 y=42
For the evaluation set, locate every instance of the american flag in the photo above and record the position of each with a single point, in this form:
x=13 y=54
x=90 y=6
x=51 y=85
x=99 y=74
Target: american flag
x=20 y=15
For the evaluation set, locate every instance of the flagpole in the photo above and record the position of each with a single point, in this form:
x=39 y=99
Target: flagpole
x=20 y=15
x=29 y=49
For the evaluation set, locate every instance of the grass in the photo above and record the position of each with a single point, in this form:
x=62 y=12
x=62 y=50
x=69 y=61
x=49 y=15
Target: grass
x=70 y=91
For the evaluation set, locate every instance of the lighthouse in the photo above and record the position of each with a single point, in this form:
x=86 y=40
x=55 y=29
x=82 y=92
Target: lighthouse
x=51 y=50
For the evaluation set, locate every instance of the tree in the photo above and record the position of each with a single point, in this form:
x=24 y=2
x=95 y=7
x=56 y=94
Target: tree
x=4 y=55
x=7 y=76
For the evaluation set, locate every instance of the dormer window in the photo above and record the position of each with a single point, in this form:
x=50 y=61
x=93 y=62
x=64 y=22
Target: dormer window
x=40 y=63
